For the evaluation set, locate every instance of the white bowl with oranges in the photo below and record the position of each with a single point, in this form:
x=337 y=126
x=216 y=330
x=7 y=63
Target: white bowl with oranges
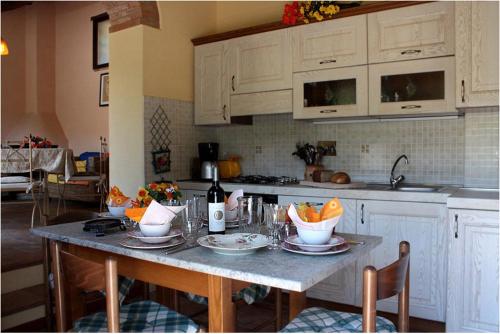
x=315 y=226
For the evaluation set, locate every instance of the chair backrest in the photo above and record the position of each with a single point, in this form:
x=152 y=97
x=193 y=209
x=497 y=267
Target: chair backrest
x=73 y=272
x=389 y=281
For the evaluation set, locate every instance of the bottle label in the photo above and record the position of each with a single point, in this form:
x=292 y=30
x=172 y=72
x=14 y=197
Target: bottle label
x=216 y=219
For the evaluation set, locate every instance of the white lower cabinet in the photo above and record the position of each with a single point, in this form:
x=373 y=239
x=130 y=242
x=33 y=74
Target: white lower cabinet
x=341 y=286
x=473 y=271
x=423 y=225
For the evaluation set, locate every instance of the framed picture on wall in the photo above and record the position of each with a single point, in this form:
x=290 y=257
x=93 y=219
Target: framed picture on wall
x=161 y=161
x=100 y=41
x=104 y=90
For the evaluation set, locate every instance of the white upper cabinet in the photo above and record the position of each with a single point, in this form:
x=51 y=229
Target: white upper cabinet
x=261 y=62
x=476 y=53
x=334 y=43
x=412 y=87
x=473 y=270
x=211 y=86
x=419 y=31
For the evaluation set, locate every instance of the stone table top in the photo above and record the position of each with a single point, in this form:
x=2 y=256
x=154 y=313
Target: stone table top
x=276 y=268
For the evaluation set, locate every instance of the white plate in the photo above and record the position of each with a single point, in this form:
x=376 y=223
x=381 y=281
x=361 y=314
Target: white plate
x=155 y=240
x=335 y=250
x=297 y=241
x=137 y=244
x=234 y=244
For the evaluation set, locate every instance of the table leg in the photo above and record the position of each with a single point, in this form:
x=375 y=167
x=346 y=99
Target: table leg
x=297 y=304
x=220 y=305
x=55 y=246
x=45 y=204
x=167 y=297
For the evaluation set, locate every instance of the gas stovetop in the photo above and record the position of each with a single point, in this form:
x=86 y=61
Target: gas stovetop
x=260 y=179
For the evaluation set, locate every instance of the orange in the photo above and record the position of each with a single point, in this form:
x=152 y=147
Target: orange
x=314 y=217
x=332 y=208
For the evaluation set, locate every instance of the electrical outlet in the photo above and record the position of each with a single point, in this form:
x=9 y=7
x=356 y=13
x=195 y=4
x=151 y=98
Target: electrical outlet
x=365 y=148
x=258 y=149
x=329 y=146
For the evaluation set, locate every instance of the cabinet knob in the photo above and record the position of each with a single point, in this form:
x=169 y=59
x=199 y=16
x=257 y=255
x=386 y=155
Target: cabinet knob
x=224 y=112
x=327 y=61
x=328 y=111
x=463 y=91
x=362 y=213
x=232 y=83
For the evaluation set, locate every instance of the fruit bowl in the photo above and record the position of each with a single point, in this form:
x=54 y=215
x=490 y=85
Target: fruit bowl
x=316 y=236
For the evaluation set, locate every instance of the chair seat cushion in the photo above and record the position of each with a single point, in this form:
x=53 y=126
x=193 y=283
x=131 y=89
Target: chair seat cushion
x=250 y=295
x=320 y=320
x=144 y=316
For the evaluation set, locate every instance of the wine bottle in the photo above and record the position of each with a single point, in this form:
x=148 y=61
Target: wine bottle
x=216 y=206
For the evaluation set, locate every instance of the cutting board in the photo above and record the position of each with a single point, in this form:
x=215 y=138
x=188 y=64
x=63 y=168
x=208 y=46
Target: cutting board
x=329 y=185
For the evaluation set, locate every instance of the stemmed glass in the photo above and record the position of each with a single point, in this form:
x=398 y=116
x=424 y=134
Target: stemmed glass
x=274 y=217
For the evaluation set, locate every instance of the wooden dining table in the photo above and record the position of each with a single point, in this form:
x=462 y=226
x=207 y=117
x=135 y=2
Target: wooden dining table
x=200 y=271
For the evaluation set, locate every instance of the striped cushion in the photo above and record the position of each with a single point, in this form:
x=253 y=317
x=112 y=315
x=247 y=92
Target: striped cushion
x=250 y=295
x=320 y=320
x=144 y=316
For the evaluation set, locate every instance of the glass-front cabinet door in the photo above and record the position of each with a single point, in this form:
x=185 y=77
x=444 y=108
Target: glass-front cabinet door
x=412 y=87
x=340 y=92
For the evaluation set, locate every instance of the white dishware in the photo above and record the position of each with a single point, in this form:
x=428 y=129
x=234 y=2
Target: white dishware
x=155 y=240
x=234 y=244
x=155 y=230
x=334 y=250
x=297 y=241
x=138 y=244
x=117 y=211
x=314 y=237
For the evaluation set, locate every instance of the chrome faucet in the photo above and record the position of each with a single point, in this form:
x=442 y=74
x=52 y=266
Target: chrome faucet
x=396 y=180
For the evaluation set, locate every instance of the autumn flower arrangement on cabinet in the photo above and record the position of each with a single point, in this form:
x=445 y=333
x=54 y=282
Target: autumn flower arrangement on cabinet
x=164 y=193
x=306 y=11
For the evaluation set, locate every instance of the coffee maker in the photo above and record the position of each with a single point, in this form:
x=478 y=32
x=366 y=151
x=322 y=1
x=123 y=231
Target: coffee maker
x=209 y=154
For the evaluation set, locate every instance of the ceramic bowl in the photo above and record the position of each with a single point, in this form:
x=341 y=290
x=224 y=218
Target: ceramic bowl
x=117 y=211
x=314 y=237
x=155 y=230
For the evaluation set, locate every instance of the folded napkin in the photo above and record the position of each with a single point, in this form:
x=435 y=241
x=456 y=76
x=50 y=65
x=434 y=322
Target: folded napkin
x=158 y=214
x=322 y=225
x=232 y=201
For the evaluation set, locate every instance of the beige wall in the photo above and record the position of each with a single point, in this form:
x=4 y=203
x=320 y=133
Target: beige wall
x=168 y=51
x=77 y=83
x=28 y=80
x=233 y=15
x=126 y=109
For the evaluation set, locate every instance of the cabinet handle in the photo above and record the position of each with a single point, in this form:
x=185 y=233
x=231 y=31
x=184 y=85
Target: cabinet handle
x=362 y=213
x=411 y=106
x=224 y=112
x=328 y=111
x=463 y=91
x=456 y=226
x=232 y=83
x=410 y=52
x=327 y=61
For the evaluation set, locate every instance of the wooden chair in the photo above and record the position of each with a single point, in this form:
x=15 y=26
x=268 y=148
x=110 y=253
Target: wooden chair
x=72 y=273
x=389 y=281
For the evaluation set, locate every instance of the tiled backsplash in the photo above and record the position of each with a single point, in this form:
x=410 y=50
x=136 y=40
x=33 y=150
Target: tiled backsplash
x=452 y=151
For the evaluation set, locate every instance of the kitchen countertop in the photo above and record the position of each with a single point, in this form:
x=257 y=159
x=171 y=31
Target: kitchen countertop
x=474 y=199
x=440 y=196
x=274 y=268
x=454 y=197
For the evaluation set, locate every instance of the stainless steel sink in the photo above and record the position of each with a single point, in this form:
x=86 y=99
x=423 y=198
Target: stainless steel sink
x=417 y=189
x=404 y=187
